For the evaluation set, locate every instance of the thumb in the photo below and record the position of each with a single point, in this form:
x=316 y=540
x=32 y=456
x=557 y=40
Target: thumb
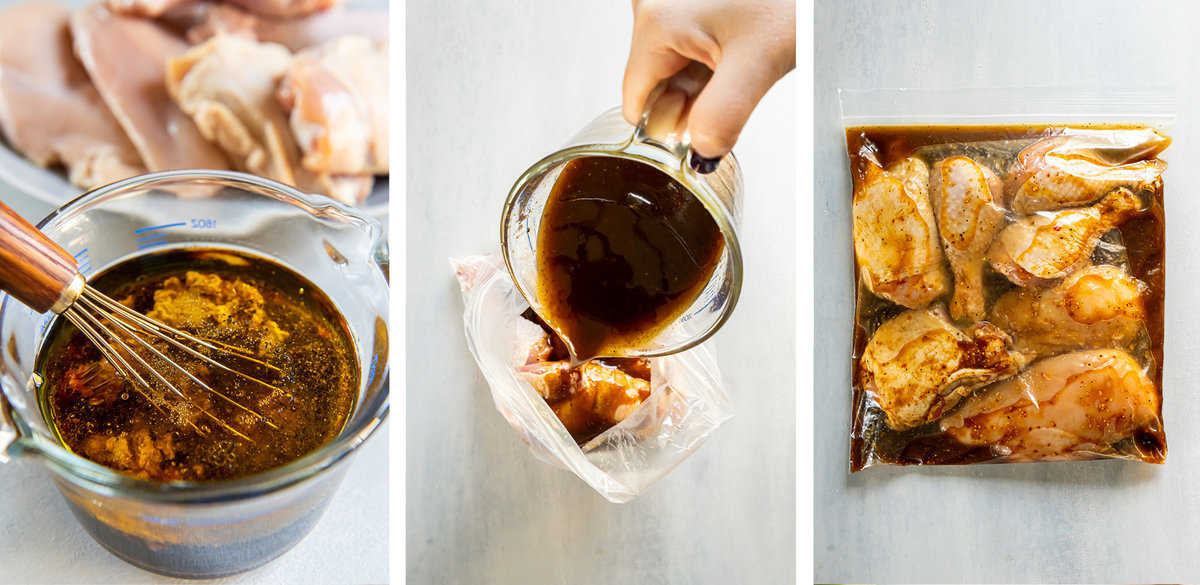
x=741 y=79
x=647 y=66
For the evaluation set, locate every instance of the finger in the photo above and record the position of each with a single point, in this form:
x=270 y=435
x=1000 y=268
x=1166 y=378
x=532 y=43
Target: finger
x=647 y=66
x=724 y=105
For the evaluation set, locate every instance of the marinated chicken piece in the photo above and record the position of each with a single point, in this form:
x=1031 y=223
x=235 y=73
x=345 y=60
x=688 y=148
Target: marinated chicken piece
x=918 y=365
x=636 y=367
x=144 y=8
x=202 y=20
x=963 y=194
x=1062 y=407
x=275 y=8
x=1072 y=171
x=1038 y=249
x=552 y=380
x=135 y=453
x=895 y=235
x=1098 y=306
x=125 y=57
x=287 y=8
x=216 y=308
x=228 y=87
x=337 y=98
x=49 y=110
x=603 y=397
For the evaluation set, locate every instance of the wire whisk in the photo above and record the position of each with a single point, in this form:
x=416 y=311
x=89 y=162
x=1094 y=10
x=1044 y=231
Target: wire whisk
x=40 y=274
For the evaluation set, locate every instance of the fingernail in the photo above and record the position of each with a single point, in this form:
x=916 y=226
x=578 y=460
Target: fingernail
x=703 y=164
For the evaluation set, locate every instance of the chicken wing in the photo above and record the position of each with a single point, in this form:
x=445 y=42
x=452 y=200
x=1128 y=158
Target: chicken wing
x=1098 y=306
x=49 y=109
x=1064 y=407
x=963 y=193
x=1071 y=171
x=918 y=365
x=125 y=57
x=1040 y=248
x=338 y=106
x=895 y=235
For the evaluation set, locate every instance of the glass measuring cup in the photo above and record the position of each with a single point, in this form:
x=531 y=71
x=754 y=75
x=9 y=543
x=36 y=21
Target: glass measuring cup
x=661 y=141
x=206 y=529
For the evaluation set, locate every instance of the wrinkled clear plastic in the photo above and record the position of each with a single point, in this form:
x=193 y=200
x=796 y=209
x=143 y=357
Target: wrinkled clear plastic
x=686 y=404
x=1060 y=357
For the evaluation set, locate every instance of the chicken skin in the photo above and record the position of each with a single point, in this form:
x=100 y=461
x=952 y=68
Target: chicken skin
x=963 y=194
x=895 y=235
x=919 y=365
x=1098 y=306
x=1038 y=249
x=1066 y=407
x=1071 y=171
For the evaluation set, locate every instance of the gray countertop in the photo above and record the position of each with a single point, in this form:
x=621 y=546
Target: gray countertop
x=492 y=87
x=1086 y=522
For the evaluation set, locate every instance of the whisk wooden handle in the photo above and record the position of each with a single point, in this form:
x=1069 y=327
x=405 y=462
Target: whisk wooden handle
x=34 y=269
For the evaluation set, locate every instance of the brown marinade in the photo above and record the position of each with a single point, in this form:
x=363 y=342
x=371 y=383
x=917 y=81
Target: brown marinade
x=873 y=440
x=230 y=297
x=623 y=250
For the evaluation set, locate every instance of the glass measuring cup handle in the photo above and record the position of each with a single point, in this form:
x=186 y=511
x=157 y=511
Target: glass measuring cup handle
x=664 y=118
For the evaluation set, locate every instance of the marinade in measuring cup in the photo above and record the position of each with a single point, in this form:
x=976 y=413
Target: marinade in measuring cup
x=229 y=297
x=1009 y=293
x=623 y=249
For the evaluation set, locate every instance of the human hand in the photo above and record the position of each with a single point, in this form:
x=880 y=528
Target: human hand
x=748 y=44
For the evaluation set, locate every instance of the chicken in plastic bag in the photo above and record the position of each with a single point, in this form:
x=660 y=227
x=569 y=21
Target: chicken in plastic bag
x=660 y=409
x=1010 y=293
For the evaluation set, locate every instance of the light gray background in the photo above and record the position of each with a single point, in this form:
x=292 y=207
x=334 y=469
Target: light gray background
x=41 y=542
x=492 y=87
x=1104 y=522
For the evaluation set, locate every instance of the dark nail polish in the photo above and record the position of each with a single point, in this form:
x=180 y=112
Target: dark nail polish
x=703 y=164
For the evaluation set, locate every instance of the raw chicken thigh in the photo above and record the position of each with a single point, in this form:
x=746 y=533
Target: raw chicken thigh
x=202 y=20
x=1070 y=171
x=1064 y=407
x=125 y=57
x=919 y=365
x=895 y=235
x=49 y=109
x=963 y=194
x=1038 y=249
x=1098 y=306
x=228 y=86
x=275 y=8
x=337 y=99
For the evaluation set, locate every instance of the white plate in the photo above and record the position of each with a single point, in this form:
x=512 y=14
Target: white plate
x=51 y=186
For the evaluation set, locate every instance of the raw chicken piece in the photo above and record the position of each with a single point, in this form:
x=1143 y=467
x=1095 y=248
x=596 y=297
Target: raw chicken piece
x=918 y=365
x=603 y=397
x=895 y=235
x=337 y=98
x=1098 y=306
x=228 y=87
x=963 y=194
x=1062 y=407
x=125 y=57
x=202 y=20
x=276 y=8
x=49 y=110
x=1040 y=248
x=1070 y=171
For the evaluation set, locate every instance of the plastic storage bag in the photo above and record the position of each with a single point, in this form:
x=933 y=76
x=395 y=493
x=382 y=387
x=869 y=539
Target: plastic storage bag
x=685 y=405
x=1009 y=275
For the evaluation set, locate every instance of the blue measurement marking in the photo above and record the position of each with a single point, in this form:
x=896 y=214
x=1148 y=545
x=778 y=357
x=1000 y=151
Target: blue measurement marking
x=371 y=370
x=159 y=227
x=84 y=262
x=81 y=253
x=151 y=237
